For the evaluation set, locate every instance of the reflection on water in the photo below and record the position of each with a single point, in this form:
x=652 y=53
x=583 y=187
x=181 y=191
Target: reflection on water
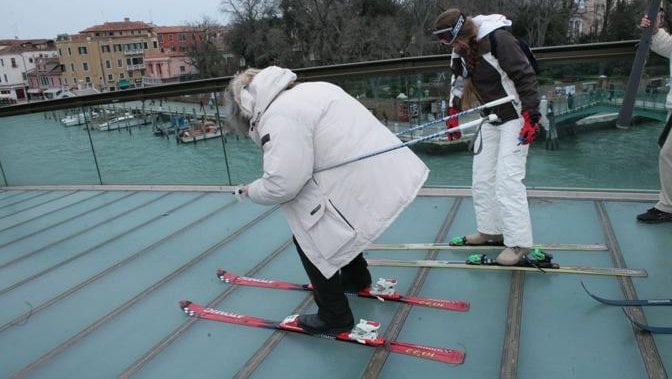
x=35 y=150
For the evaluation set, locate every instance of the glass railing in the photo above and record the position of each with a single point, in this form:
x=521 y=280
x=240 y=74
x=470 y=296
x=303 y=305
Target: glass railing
x=172 y=134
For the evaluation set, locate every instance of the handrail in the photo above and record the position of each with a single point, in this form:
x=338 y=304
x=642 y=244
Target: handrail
x=388 y=67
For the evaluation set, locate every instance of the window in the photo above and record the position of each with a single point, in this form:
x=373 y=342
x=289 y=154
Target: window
x=110 y=77
x=30 y=60
x=121 y=75
x=69 y=51
x=155 y=44
x=82 y=50
x=5 y=75
x=105 y=48
x=2 y=62
x=170 y=37
x=60 y=52
x=66 y=80
x=87 y=79
x=14 y=63
x=23 y=75
x=85 y=66
x=128 y=62
x=144 y=45
x=183 y=69
x=72 y=67
x=108 y=64
x=182 y=36
x=120 y=63
x=117 y=48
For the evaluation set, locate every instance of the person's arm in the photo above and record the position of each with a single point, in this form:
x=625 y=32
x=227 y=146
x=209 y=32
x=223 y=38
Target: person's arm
x=514 y=62
x=287 y=161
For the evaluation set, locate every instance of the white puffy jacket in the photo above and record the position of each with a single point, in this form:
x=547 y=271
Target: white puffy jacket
x=336 y=213
x=661 y=43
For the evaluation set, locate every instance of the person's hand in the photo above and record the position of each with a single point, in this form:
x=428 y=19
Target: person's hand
x=452 y=123
x=646 y=22
x=240 y=193
x=530 y=127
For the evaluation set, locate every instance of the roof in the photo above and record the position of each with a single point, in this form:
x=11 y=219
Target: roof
x=118 y=26
x=91 y=276
x=175 y=29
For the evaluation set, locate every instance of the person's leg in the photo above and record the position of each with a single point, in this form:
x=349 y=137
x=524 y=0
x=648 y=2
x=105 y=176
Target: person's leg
x=484 y=172
x=355 y=276
x=662 y=211
x=665 y=169
x=512 y=194
x=333 y=314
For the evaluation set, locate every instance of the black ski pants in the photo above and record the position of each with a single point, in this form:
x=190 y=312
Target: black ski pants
x=333 y=306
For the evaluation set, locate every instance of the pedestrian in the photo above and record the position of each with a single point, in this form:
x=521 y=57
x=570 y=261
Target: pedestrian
x=661 y=44
x=201 y=104
x=499 y=195
x=333 y=214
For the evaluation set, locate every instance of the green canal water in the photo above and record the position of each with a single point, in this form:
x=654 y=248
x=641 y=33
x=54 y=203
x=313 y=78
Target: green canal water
x=37 y=150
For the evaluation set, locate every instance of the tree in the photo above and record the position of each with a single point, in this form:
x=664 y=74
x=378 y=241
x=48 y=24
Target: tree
x=208 y=54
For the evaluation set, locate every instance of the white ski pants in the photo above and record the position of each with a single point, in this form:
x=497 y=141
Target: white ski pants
x=500 y=197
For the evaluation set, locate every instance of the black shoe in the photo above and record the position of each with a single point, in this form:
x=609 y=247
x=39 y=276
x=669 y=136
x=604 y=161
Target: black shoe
x=654 y=216
x=313 y=324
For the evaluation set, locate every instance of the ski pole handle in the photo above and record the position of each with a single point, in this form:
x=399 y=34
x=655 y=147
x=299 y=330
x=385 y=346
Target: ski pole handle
x=491 y=104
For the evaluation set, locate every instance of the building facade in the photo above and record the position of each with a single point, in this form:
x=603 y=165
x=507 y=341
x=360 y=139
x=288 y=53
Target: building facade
x=17 y=59
x=108 y=57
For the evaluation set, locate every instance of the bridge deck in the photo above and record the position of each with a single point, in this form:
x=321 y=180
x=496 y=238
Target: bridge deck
x=90 y=279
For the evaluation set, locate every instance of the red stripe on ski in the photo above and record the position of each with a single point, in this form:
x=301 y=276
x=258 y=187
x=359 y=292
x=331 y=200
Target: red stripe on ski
x=426 y=352
x=451 y=305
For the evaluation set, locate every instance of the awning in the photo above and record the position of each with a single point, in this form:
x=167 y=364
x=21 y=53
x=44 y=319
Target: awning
x=35 y=90
x=123 y=84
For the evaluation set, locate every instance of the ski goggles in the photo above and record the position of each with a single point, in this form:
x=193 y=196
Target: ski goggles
x=448 y=35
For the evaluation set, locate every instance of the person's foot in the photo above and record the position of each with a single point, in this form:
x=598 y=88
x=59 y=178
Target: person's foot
x=314 y=324
x=478 y=239
x=654 y=216
x=512 y=255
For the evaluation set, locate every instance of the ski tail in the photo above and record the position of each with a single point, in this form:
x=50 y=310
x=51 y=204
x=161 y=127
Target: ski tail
x=198 y=311
x=453 y=305
x=444 y=355
x=229 y=277
x=628 y=303
x=648 y=328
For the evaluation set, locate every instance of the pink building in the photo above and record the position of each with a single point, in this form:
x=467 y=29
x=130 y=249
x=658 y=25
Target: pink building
x=46 y=79
x=167 y=67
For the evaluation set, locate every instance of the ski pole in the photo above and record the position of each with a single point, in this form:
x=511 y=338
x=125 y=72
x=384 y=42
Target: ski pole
x=491 y=104
x=489 y=118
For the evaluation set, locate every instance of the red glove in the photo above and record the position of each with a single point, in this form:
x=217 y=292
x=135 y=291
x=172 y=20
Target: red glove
x=451 y=123
x=530 y=127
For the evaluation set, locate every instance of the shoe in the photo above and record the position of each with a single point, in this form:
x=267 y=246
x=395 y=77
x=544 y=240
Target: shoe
x=654 y=216
x=478 y=239
x=512 y=255
x=313 y=324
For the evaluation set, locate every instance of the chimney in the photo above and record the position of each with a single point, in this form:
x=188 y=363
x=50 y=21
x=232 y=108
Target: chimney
x=126 y=19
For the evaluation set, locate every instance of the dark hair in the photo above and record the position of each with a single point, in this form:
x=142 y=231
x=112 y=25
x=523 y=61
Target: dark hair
x=468 y=31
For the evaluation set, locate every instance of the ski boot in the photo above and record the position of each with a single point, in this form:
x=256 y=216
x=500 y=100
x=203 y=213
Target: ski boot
x=313 y=324
x=477 y=239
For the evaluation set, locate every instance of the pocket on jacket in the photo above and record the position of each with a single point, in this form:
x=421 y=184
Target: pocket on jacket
x=331 y=232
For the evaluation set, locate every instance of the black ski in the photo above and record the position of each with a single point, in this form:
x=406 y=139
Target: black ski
x=648 y=328
x=628 y=303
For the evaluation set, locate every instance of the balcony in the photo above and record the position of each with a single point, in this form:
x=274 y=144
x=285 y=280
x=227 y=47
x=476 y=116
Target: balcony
x=140 y=66
x=134 y=52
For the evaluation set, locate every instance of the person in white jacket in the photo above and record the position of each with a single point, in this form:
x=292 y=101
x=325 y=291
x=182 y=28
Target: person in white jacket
x=334 y=214
x=661 y=43
x=499 y=167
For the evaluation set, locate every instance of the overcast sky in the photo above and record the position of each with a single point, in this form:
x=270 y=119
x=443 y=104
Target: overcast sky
x=28 y=19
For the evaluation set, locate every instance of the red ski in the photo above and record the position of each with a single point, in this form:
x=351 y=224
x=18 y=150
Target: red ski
x=451 y=305
x=291 y=325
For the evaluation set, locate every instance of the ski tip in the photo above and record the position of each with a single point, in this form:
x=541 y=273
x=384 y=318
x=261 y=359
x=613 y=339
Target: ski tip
x=439 y=354
x=220 y=274
x=184 y=304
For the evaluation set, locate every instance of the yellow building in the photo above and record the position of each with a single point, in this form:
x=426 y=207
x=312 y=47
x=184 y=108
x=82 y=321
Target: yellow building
x=108 y=57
